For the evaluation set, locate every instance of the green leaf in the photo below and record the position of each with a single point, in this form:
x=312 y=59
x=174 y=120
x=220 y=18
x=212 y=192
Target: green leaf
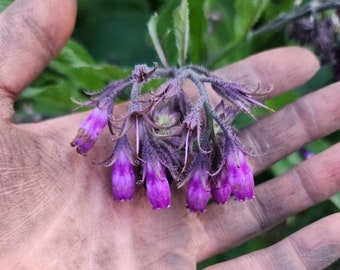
x=198 y=28
x=74 y=55
x=286 y=164
x=116 y=31
x=152 y=28
x=181 y=31
x=50 y=101
x=165 y=31
x=75 y=64
x=323 y=77
x=4 y=4
x=335 y=199
x=94 y=78
x=242 y=18
x=248 y=13
x=74 y=69
x=282 y=100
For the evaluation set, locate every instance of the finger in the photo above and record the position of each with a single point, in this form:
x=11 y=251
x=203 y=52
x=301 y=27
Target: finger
x=313 y=181
x=313 y=247
x=274 y=71
x=31 y=34
x=305 y=120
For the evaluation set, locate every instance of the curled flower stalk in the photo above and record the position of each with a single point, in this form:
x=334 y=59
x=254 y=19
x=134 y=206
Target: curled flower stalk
x=177 y=141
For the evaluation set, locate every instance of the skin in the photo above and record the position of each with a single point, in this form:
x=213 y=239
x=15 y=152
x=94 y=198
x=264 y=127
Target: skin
x=56 y=208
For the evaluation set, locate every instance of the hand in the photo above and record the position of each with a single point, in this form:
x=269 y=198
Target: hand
x=56 y=208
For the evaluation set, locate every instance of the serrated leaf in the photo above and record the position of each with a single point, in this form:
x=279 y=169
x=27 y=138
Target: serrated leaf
x=50 y=101
x=75 y=64
x=74 y=55
x=94 y=78
x=165 y=31
x=181 y=31
x=152 y=28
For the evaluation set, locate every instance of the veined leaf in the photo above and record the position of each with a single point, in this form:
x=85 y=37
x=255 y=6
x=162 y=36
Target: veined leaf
x=75 y=55
x=49 y=101
x=181 y=31
x=165 y=31
x=152 y=28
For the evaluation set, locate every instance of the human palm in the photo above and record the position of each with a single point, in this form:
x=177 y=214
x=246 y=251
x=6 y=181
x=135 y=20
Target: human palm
x=56 y=206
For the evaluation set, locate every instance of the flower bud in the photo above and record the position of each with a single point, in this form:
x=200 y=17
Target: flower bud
x=90 y=130
x=240 y=176
x=220 y=188
x=305 y=153
x=157 y=185
x=123 y=177
x=198 y=192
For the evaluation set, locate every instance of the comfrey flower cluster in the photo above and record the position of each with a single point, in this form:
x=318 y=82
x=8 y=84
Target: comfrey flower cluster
x=320 y=30
x=321 y=35
x=175 y=140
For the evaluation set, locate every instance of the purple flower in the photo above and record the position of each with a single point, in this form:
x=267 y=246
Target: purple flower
x=90 y=130
x=177 y=139
x=324 y=40
x=198 y=192
x=237 y=93
x=123 y=176
x=240 y=176
x=305 y=153
x=157 y=185
x=220 y=188
x=302 y=31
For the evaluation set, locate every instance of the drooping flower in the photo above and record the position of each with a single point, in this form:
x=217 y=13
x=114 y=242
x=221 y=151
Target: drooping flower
x=237 y=93
x=240 y=176
x=324 y=40
x=157 y=185
x=320 y=31
x=220 y=187
x=198 y=192
x=123 y=176
x=302 y=31
x=90 y=129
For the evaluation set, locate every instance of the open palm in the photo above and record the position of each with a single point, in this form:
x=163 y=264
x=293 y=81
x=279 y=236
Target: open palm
x=56 y=207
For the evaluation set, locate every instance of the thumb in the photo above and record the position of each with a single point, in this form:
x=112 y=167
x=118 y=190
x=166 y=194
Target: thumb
x=32 y=33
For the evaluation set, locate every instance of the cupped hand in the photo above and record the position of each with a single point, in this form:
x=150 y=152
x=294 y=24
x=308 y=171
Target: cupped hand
x=56 y=207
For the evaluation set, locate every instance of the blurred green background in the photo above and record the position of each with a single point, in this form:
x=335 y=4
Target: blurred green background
x=111 y=36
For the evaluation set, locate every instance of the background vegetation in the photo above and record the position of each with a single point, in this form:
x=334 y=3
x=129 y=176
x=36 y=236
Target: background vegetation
x=111 y=36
